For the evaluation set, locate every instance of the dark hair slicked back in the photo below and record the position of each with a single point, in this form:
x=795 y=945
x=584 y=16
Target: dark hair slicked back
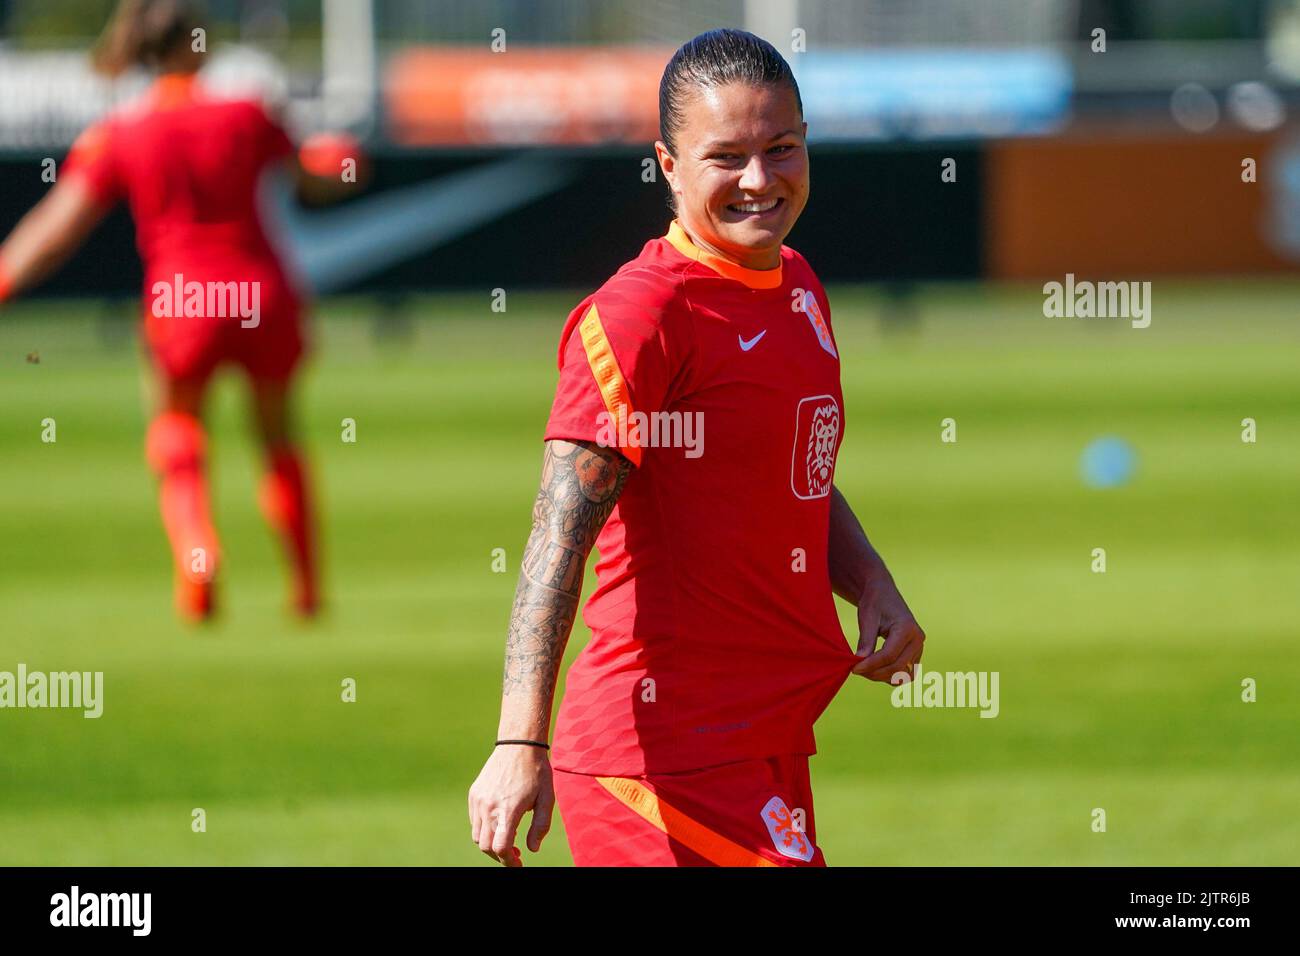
x=715 y=59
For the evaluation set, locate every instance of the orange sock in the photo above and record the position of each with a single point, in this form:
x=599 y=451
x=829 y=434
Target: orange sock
x=176 y=450
x=286 y=503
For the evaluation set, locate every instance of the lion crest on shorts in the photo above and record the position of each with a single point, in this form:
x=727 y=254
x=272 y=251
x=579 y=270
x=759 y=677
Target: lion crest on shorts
x=787 y=831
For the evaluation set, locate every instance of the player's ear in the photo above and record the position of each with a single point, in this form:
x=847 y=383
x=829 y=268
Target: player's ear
x=666 y=161
x=669 y=166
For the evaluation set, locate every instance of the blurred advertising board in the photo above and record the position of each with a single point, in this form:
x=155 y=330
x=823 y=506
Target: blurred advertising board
x=458 y=96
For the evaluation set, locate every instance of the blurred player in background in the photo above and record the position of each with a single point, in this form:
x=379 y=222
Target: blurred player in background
x=684 y=733
x=189 y=165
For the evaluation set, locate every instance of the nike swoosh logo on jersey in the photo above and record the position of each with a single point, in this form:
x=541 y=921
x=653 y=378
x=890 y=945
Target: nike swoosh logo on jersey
x=746 y=346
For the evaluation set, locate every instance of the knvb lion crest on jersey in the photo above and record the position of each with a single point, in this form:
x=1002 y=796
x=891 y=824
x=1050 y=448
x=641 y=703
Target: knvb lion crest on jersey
x=788 y=838
x=816 y=438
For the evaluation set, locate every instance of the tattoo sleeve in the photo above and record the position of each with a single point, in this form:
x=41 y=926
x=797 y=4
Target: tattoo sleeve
x=580 y=484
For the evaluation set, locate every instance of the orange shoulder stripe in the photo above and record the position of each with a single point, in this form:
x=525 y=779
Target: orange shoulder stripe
x=609 y=378
x=710 y=844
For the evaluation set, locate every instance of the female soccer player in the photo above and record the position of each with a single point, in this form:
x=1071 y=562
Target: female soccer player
x=189 y=164
x=693 y=440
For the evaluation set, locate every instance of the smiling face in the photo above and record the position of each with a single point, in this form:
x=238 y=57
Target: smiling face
x=740 y=172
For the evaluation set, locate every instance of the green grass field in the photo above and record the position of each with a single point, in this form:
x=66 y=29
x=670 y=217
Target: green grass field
x=1119 y=690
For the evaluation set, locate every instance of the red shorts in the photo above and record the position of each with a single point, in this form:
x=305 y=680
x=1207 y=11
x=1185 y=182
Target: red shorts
x=750 y=813
x=188 y=348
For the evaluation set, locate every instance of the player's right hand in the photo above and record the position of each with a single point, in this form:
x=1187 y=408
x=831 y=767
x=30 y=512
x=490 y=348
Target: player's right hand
x=515 y=779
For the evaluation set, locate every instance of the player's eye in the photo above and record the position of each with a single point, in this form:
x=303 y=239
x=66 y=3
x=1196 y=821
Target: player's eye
x=782 y=148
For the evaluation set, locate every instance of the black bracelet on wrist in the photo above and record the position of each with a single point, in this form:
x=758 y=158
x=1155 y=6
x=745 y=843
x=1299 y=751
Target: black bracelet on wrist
x=530 y=743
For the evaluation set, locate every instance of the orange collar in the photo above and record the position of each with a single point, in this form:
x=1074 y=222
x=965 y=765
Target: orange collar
x=173 y=89
x=754 y=278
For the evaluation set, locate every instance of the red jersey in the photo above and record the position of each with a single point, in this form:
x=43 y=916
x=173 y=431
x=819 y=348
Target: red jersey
x=189 y=164
x=715 y=636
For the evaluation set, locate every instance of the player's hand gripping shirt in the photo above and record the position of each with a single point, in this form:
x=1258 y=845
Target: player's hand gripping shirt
x=714 y=631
